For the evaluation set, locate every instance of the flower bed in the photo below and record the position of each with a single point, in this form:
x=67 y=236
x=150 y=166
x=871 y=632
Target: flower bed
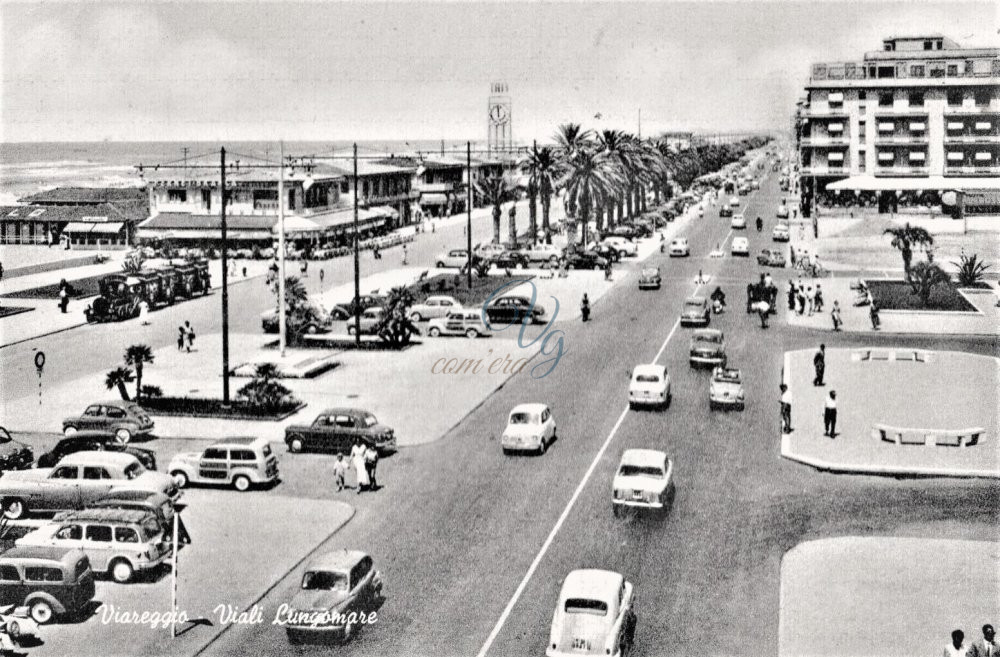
x=213 y=408
x=7 y=311
x=79 y=288
x=898 y=295
x=444 y=284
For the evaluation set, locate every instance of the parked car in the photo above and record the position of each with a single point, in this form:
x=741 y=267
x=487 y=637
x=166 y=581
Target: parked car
x=542 y=253
x=14 y=455
x=650 y=279
x=696 y=312
x=50 y=582
x=149 y=501
x=459 y=322
x=17 y=629
x=505 y=311
x=77 y=480
x=782 y=212
x=455 y=258
x=679 y=247
x=511 y=260
x=628 y=231
x=780 y=233
x=116 y=542
x=489 y=250
x=740 y=246
x=349 y=309
x=734 y=202
x=370 y=321
x=725 y=211
x=594 y=615
x=726 y=389
x=336 y=429
x=650 y=386
x=585 y=260
x=605 y=251
x=238 y=462
x=434 y=306
x=125 y=419
x=643 y=480
x=334 y=586
x=320 y=322
x=624 y=247
x=708 y=347
x=529 y=427
x=738 y=222
x=771 y=258
x=95 y=441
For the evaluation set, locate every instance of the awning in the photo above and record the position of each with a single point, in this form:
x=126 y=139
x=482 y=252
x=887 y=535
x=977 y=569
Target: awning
x=982 y=125
x=955 y=157
x=202 y=234
x=955 y=125
x=886 y=157
x=108 y=228
x=385 y=211
x=835 y=157
x=918 y=126
x=886 y=127
x=835 y=127
x=983 y=157
x=434 y=199
x=835 y=97
x=917 y=156
x=870 y=183
x=296 y=224
x=77 y=227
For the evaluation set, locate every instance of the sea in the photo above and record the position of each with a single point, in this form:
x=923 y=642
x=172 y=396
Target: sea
x=29 y=167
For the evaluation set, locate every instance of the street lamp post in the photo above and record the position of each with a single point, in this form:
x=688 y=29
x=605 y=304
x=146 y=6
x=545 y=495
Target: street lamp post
x=357 y=262
x=225 y=282
x=282 y=324
x=468 y=208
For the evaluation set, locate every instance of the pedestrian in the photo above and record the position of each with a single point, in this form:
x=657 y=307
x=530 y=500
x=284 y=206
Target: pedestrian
x=760 y=224
x=819 y=364
x=987 y=647
x=791 y=296
x=701 y=278
x=873 y=313
x=322 y=275
x=63 y=299
x=144 y=312
x=360 y=467
x=585 y=308
x=763 y=309
x=795 y=213
x=818 y=302
x=607 y=270
x=786 y=409
x=189 y=330
x=244 y=271
x=835 y=316
x=180 y=337
x=405 y=253
x=303 y=268
x=957 y=647
x=772 y=297
x=433 y=227
x=810 y=299
x=371 y=462
x=830 y=415
x=339 y=470
x=750 y=298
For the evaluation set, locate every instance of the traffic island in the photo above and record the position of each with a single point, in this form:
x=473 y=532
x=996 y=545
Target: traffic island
x=308 y=367
x=202 y=407
x=900 y=412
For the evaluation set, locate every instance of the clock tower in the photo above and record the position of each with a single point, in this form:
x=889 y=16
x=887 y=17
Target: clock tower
x=499 y=135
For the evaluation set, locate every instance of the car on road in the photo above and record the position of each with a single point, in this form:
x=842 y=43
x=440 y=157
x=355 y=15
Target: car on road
x=643 y=480
x=679 y=247
x=95 y=441
x=434 y=306
x=319 y=321
x=782 y=212
x=734 y=202
x=348 y=309
x=696 y=312
x=738 y=222
x=780 y=233
x=149 y=501
x=125 y=419
x=605 y=251
x=725 y=211
x=755 y=184
x=744 y=189
x=708 y=347
x=508 y=310
x=650 y=279
x=740 y=246
x=542 y=253
x=624 y=246
x=459 y=322
x=726 y=389
x=455 y=258
x=650 y=386
x=14 y=455
x=77 y=480
x=585 y=260
x=369 y=322
x=336 y=429
x=240 y=462
x=771 y=258
x=530 y=427
x=511 y=260
x=50 y=582
x=489 y=250
x=594 y=615
x=338 y=594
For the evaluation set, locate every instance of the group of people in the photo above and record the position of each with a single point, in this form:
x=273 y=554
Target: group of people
x=984 y=647
x=364 y=460
x=762 y=297
x=829 y=405
x=185 y=336
x=803 y=299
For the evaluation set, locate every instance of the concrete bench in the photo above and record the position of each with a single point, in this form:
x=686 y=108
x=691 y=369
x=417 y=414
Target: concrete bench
x=933 y=437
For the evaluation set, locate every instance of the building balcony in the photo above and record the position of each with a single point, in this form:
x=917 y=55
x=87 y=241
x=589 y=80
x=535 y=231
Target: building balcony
x=972 y=139
x=902 y=170
x=890 y=71
x=977 y=110
x=825 y=141
x=823 y=170
x=436 y=188
x=830 y=113
x=890 y=113
x=900 y=139
x=971 y=170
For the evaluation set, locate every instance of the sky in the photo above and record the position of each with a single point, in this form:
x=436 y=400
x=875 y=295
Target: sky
x=152 y=71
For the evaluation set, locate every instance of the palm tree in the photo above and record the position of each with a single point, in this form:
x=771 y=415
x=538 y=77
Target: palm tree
x=905 y=239
x=117 y=378
x=591 y=177
x=970 y=270
x=544 y=168
x=137 y=356
x=925 y=276
x=512 y=224
x=618 y=148
x=494 y=191
x=571 y=137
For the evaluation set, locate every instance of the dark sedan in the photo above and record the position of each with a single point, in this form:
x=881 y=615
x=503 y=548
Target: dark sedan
x=94 y=441
x=510 y=310
x=585 y=260
x=364 y=302
x=511 y=260
x=14 y=455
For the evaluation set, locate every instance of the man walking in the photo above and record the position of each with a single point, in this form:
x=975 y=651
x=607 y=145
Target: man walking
x=786 y=409
x=763 y=309
x=180 y=338
x=873 y=313
x=819 y=363
x=835 y=316
x=986 y=647
x=371 y=462
x=830 y=415
x=63 y=299
x=189 y=331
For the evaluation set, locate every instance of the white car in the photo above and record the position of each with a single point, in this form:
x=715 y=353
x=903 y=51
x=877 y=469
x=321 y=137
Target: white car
x=542 y=253
x=433 y=307
x=489 y=250
x=650 y=386
x=679 y=247
x=741 y=246
x=643 y=479
x=459 y=322
x=454 y=258
x=782 y=212
x=529 y=427
x=780 y=233
x=623 y=245
x=734 y=202
x=738 y=221
x=594 y=615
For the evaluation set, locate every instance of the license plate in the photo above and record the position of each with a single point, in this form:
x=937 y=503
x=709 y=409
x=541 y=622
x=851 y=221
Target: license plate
x=637 y=495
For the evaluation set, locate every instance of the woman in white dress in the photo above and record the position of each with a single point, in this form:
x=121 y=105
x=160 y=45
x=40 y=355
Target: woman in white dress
x=360 y=469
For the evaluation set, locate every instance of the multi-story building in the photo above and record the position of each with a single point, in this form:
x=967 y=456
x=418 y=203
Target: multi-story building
x=920 y=115
x=77 y=217
x=382 y=187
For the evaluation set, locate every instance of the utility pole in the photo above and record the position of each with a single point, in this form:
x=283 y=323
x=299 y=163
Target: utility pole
x=225 y=283
x=185 y=151
x=282 y=324
x=442 y=147
x=640 y=123
x=357 y=263
x=538 y=191
x=468 y=207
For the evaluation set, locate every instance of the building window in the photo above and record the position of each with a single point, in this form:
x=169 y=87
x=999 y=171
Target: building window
x=862 y=129
x=177 y=195
x=969 y=69
x=862 y=95
x=206 y=199
x=886 y=71
x=291 y=199
x=265 y=199
x=862 y=110
x=982 y=98
x=928 y=45
x=344 y=187
x=917 y=71
x=365 y=189
x=955 y=98
x=916 y=99
x=861 y=161
x=938 y=44
x=936 y=70
x=952 y=70
x=885 y=99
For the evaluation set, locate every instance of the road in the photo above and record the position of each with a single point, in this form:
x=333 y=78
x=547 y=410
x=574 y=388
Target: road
x=474 y=545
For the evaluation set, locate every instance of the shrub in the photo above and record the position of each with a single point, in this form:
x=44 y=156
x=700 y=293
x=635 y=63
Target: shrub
x=265 y=391
x=149 y=391
x=970 y=270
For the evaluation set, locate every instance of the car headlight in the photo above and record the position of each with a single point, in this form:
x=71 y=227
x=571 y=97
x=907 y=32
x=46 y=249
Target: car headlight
x=619 y=494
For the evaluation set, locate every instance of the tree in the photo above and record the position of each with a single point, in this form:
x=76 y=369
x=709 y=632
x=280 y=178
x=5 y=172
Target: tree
x=544 y=167
x=619 y=150
x=590 y=177
x=396 y=328
x=970 y=270
x=571 y=137
x=905 y=239
x=137 y=356
x=512 y=224
x=494 y=191
x=924 y=277
x=132 y=264
x=265 y=391
x=300 y=312
x=117 y=378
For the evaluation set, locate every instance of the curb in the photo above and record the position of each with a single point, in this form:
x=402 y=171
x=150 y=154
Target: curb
x=43 y=335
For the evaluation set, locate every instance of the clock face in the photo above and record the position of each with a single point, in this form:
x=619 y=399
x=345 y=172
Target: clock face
x=498 y=114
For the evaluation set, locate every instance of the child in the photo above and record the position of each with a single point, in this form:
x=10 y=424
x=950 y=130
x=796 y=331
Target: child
x=339 y=470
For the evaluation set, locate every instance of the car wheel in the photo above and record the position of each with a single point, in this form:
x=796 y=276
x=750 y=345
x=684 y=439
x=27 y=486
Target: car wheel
x=180 y=478
x=440 y=265
x=241 y=483
x=312 y=329
x=616 y=510
x=621 y=254
x=15 y=508
x=434 y=332
x=13 y=629
x=295 y=445
x=543 y=446
x=472 y=333
x=123 y=436
x=69 y=430
x=121 y=571
x=351 y=330
x=416 y=317
x=41 y=612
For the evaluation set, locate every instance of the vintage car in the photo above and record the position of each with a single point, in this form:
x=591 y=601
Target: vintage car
x=650 y=279
x=319 y=321
x=149 y=501
x=14 y=455
x=238 y=462
x=459 y=322
x=125 y=419
x=504 y=311
x=511 y=260
x=594 y=615
x=529 y=427
x=77 y=480
x=782 y=212
x=49 y=581
x=679 y=247
x=643 y=480
x=340 y=591
x=726 y=389
x=624 y=246
x=17 y=629
x=117 y=542
x=489 y=250
x=695 y=312
x=780 y=233
x=725 y=211
x=585 y=260
x=336 y=430
x=708 y=347
x=435 y=306
x=540 y=252
x=604 y=251
x=771 y=258
x=738 y=222
x=455 y=258
x=650 y=386
x=94 y=441
x=734 y=202
x=369 y=321
x=349 y=309
x=740 y=246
